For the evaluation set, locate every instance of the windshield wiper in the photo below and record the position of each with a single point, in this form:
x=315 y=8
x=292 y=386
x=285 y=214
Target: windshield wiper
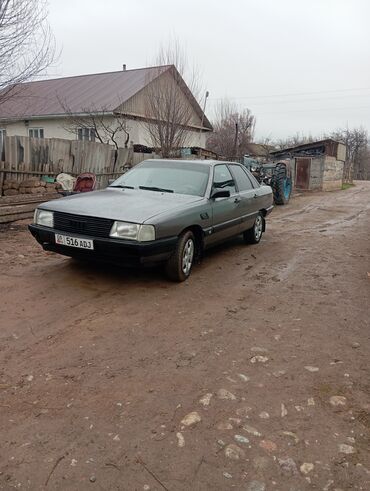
x=153 y=188
x=122 y=186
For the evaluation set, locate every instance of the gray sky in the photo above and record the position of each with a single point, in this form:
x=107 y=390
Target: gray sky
x=299 y=65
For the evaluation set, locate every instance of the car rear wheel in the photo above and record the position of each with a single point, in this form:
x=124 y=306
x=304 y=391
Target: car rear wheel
x=179 y=265
x=254 y=234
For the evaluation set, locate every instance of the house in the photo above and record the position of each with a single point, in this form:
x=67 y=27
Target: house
x=315 y=166
x=258 y=151
x=63 y=107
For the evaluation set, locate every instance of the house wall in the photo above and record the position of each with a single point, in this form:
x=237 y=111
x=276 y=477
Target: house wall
x=165 y=84
x=56 y=128
x=53 y=128
x=139 y=134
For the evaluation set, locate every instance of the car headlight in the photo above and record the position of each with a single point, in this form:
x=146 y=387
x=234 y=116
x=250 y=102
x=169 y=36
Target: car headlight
x=44 y=218
x=132 y=231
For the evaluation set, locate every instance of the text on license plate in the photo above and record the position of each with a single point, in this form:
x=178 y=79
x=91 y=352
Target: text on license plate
x=74 y=242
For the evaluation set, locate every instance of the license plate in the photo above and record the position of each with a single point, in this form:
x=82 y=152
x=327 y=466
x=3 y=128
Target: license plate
x=74 y=242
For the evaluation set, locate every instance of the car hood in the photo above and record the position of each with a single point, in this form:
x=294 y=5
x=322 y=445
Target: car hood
x=131 y=205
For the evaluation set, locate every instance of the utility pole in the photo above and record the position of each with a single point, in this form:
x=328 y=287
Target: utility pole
x=204 y=110
x=236 y=139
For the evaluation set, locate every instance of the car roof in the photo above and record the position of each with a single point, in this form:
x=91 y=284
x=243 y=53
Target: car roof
x=210 y=163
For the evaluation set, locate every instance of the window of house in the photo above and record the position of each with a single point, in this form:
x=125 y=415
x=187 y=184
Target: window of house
x=36 y=132
x=86 y=134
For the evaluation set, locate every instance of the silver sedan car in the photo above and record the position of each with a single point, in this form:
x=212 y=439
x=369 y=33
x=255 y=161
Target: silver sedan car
x=166 y=211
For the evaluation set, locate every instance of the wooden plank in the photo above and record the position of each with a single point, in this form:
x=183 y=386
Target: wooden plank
x=10 y=210
x=13 y=213
x=31 y=172
x=15 y=217
x=27 y=198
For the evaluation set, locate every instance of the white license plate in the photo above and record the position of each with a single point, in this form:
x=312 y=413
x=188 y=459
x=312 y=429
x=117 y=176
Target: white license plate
x=74 y=242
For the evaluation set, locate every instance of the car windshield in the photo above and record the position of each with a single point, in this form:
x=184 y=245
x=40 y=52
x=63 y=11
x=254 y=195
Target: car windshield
x=171 y=177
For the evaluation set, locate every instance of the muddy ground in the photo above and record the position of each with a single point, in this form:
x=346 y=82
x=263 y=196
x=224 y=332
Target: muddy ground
x=268 y=346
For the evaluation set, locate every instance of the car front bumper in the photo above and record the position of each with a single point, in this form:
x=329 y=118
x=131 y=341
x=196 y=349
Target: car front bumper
x=125 y=252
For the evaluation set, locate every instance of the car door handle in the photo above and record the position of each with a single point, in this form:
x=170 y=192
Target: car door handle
x=237 y=200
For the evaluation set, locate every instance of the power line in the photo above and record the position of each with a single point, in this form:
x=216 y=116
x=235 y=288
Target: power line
x=289 y=94
x=328 y=109
x=299 y=101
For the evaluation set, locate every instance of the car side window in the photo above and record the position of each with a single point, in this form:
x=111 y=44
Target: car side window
x=222 y=179
x=254 y=181
x=242 y=179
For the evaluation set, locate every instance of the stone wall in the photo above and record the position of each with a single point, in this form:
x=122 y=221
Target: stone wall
x=316 y=173
x=333 y=174
x=12 y=187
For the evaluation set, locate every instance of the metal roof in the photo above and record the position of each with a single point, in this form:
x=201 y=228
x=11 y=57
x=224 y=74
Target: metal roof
x=79 y=93
x=303 y=146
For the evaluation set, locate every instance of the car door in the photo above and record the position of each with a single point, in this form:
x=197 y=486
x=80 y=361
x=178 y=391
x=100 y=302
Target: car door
x=225 y=211
x=249 y=202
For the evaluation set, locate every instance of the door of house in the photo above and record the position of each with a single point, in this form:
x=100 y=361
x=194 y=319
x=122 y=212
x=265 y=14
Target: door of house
x=302 y=172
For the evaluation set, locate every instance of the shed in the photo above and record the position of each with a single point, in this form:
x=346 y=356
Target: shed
x=317 y=165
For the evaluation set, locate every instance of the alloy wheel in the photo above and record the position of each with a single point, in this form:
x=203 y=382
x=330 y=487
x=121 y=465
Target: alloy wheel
x=258 y=226
x=188 y=256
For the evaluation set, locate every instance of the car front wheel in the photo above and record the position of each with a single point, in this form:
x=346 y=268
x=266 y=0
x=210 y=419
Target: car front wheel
x=179 y=265
x=254 y=234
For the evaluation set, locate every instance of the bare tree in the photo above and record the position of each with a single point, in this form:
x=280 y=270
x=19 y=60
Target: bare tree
x=362 y=171
x=293 y=141
x=169 y=100
x=268 y=145
x=233 y=129
x=105 y=127
x=357 y=164
x=27 y=45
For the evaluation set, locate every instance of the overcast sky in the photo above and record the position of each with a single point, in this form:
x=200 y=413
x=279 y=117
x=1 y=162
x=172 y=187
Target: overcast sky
x=299 y=65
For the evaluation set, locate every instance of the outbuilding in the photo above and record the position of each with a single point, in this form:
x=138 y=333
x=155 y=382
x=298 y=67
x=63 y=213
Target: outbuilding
x=315 y=166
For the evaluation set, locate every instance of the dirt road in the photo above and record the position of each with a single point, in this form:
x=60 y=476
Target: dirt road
x=253 y=375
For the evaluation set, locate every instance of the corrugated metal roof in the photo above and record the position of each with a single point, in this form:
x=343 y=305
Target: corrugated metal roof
x=79 y=93
x=328 y=143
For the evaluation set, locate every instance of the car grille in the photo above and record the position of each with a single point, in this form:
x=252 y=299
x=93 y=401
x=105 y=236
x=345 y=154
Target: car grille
x=78 y=224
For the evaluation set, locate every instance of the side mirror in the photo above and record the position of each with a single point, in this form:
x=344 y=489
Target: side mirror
x=220 y=193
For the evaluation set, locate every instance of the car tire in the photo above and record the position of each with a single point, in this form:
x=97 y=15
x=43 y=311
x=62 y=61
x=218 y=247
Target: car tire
x=254 y=234
x=178 y=266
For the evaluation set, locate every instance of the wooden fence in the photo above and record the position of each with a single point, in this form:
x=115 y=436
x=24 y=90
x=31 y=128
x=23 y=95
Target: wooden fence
x=23 y=157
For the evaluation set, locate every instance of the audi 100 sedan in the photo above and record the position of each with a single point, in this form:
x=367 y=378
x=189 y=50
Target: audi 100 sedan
x=166 y=211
